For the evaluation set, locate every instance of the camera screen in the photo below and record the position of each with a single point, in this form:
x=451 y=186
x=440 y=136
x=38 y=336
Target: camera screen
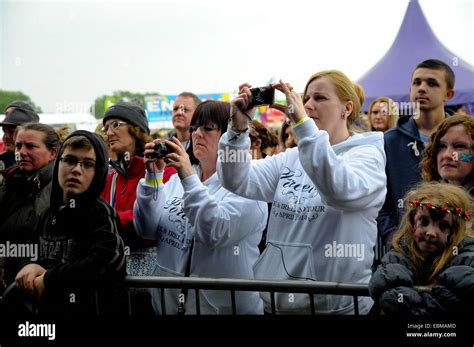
x=262 y=96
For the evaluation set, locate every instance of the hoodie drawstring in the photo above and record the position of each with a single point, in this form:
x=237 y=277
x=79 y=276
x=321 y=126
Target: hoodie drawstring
x=414 y=148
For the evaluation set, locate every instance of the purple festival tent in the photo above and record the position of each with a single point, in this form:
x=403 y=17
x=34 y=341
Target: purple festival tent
x=415 y=43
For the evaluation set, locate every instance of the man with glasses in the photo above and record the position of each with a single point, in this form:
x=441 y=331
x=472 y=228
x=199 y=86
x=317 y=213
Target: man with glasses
x=71 y=162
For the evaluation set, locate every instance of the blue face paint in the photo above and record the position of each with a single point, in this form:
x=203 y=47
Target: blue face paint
x=466 y=157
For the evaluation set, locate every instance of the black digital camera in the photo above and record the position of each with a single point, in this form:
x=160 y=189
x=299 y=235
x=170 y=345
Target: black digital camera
x=161 y=150
x=262 y=96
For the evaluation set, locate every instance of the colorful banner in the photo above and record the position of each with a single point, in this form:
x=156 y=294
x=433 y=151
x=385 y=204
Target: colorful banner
x=270 y=116
x=160 y=108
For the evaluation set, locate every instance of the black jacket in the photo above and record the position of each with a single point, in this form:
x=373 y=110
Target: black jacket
x=80 y=246
x=22 y=202
x=392 y=285
x=7 y=161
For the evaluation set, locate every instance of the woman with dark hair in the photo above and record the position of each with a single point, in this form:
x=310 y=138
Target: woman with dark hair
x=287 y=136
x=27 y=189
x=448 y=156
x=201 y=229
x=263 y=141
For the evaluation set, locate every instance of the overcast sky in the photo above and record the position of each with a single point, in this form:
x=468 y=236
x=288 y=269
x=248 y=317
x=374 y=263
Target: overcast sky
x=64 y=54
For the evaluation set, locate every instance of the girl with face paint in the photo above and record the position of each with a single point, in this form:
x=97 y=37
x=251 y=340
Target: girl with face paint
x=448 y=157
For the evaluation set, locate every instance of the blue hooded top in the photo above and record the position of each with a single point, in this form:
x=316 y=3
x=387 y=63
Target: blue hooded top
x=404 y=148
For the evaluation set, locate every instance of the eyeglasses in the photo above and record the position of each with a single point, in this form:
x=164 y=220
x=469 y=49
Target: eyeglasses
x=204 y=128
x=71 y=162
x=114 y=125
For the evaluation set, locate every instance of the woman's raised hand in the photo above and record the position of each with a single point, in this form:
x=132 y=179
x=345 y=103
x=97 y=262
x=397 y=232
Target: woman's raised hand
x=240 y=115
x=295 y=108
x=178 y=159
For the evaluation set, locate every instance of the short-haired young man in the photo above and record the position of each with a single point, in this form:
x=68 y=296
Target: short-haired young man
x=432 y=85
x=81 y=251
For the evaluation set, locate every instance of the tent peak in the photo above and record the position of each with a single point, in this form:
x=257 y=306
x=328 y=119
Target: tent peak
x=415 y=42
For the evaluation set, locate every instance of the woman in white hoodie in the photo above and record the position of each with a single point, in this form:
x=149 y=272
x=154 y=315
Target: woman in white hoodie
x=326 y=192
x=201 y=229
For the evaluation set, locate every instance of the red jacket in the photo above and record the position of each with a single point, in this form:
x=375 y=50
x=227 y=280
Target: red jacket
x=125 y=192
x=168 y=172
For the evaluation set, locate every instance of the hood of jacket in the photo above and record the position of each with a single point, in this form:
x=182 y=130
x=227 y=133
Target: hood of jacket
x=407 y=126
x=100 y=175
x=371 y=138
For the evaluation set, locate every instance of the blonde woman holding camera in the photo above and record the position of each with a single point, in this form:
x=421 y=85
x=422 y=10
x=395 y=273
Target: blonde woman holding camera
x=326 y=192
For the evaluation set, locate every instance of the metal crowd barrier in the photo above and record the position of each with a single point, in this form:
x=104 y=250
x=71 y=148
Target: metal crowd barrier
x=233 y=285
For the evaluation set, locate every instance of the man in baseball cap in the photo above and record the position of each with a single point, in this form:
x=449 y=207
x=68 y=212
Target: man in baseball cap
x=16 y=113
x=18 y=104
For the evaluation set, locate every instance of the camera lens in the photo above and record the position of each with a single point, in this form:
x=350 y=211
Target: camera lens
x=161 y=150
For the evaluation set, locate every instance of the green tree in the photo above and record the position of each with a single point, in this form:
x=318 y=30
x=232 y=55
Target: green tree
x=100 y=103
x=7 y=96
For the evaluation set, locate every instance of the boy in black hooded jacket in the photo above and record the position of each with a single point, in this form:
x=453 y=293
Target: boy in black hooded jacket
x=81 y=251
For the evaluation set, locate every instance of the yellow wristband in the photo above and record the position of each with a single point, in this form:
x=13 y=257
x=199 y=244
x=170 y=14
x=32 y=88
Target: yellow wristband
x=152 y=182
x=302 y=120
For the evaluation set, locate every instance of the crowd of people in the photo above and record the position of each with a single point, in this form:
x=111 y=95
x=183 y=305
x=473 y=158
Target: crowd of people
x=386 y=204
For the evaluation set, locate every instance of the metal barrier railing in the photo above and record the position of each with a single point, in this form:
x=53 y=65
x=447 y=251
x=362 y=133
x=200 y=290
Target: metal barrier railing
x=283 y=286
x=232 y=284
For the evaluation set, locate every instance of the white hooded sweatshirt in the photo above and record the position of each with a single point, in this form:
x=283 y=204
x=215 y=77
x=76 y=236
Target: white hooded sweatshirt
x=226 y=229
x=322 y=225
